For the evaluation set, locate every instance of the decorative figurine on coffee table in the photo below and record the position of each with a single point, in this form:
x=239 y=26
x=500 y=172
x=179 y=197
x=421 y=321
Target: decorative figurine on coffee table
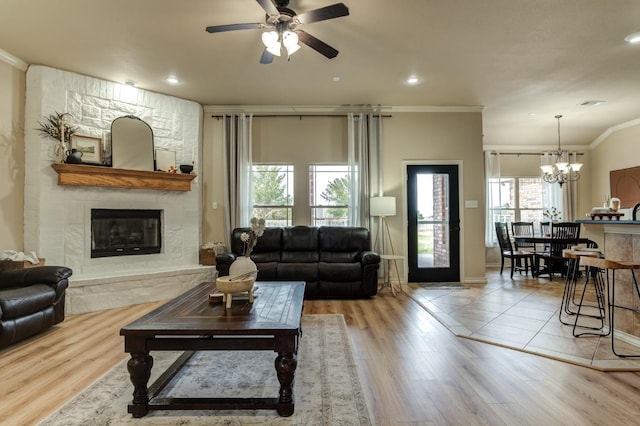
x=231 y=285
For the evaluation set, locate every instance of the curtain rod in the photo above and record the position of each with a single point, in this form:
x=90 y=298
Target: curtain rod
x=300 y=115
x=531 y=153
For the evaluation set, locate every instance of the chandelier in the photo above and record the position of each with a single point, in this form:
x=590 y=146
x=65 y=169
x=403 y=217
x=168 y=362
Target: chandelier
x=562 y=170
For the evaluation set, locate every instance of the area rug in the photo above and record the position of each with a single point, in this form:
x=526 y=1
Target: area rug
x=443 y=286
x=327 y=388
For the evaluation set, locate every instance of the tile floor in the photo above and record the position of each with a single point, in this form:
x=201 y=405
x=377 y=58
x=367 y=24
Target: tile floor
x=521 y=314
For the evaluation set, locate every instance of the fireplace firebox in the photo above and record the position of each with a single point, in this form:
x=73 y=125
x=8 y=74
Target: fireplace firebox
x=121 y=232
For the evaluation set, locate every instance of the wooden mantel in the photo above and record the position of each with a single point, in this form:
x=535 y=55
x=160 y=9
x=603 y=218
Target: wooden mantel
x=85 y=175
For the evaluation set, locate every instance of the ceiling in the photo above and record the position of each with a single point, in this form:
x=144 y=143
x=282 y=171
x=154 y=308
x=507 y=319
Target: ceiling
x=515 y=58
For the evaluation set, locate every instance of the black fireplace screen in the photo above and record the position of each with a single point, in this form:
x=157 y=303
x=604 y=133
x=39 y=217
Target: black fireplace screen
x=116 y=232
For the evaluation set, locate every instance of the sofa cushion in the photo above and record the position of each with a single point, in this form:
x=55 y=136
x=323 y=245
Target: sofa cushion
x=21 y=301
x=298 y=272
x=300 y=244
x=15 y=329
x=267 y=271
x=339 y=271
x=342 y=245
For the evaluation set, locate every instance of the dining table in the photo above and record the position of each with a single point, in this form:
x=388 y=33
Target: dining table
x=548 y=241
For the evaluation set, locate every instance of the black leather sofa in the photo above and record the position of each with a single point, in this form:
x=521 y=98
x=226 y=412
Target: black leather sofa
x=335 y=262
x=31 y=301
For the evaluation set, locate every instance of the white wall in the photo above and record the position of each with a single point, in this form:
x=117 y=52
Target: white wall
x=57 y=218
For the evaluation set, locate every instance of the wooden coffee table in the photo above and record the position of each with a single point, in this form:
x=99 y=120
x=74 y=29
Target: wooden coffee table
x=190 y=323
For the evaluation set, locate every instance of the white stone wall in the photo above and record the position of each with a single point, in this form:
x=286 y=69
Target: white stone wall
x=57 y=218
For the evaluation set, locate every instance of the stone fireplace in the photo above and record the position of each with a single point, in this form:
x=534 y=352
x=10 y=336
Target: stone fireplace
x=58 y=219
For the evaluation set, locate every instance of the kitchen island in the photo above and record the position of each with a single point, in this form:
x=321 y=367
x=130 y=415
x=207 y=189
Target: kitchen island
x=620 y=241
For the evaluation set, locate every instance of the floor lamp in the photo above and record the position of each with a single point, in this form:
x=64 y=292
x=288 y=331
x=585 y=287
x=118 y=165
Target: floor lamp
x=382 y=207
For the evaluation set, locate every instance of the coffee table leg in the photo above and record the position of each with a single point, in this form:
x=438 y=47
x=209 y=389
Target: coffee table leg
x=286 y=364
x=139 y=367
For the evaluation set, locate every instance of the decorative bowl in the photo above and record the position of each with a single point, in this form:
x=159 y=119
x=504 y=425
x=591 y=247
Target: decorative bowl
x=186 y=168
x=226 y=285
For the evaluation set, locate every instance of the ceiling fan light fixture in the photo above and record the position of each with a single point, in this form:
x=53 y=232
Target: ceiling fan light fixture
x=271 y=41
x=270 y=38
x=274 y=49
x=290 y=41
x=292 y=49
x=281 y=28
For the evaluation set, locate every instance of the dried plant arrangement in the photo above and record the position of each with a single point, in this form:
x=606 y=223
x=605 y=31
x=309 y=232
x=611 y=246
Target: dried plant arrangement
x=58 y=128
x=55 y=124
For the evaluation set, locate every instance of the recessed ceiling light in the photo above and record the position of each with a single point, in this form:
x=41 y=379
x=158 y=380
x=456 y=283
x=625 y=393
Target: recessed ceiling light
x=633 y=38
x=172 y=80
x=412 y=80
x=336 y=78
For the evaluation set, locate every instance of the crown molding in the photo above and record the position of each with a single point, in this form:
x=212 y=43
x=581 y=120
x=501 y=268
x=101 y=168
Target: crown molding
x=534 y=148
x=328 y=109
x=434 y=108
x=13 y=61
x=612 y=130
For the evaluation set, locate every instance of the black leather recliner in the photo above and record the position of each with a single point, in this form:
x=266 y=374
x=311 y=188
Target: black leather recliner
x=31 y=301
x=335 y=262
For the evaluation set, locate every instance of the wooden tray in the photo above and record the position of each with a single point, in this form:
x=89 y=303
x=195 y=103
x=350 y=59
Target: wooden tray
x=605 y=216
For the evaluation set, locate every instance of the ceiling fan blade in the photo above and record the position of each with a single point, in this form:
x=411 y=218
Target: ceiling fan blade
x=268 y=7
x=233 y=27
x=266 y=57
x=322 y=14
x=317 y=45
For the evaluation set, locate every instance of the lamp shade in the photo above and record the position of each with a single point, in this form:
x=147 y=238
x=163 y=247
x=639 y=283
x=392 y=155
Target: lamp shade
x=382 y=206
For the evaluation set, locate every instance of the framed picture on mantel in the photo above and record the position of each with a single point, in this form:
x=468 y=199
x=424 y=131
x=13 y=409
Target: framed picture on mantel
x=90 y=147
x=165 y=160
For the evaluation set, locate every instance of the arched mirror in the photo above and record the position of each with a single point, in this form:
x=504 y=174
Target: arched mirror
x=131 y=144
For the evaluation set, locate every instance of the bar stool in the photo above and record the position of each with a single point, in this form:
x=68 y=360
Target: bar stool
x=568 y=305
x=606 y=289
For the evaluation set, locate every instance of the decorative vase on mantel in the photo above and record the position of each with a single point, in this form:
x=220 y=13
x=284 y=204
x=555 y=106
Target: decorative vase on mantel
x=243 y=265
x=73 y=157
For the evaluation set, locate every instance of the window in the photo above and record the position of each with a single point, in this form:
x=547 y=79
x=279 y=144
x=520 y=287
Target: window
x=515 y=199
x=272 y=193
x=329 y=194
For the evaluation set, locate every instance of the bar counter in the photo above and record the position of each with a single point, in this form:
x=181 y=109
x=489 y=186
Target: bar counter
x=620 y=241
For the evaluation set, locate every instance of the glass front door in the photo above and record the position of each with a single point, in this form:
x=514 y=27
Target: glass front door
x=433 y=223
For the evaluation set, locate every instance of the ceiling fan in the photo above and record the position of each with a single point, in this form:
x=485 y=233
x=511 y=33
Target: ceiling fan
x=282 y=28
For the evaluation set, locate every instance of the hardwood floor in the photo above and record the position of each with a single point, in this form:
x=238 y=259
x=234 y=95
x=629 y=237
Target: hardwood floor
x=413 y=371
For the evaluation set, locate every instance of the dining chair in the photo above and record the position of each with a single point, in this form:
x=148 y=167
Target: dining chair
x=545 y=229
x=522 y=229
x=568 y=233
x=507 y=251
